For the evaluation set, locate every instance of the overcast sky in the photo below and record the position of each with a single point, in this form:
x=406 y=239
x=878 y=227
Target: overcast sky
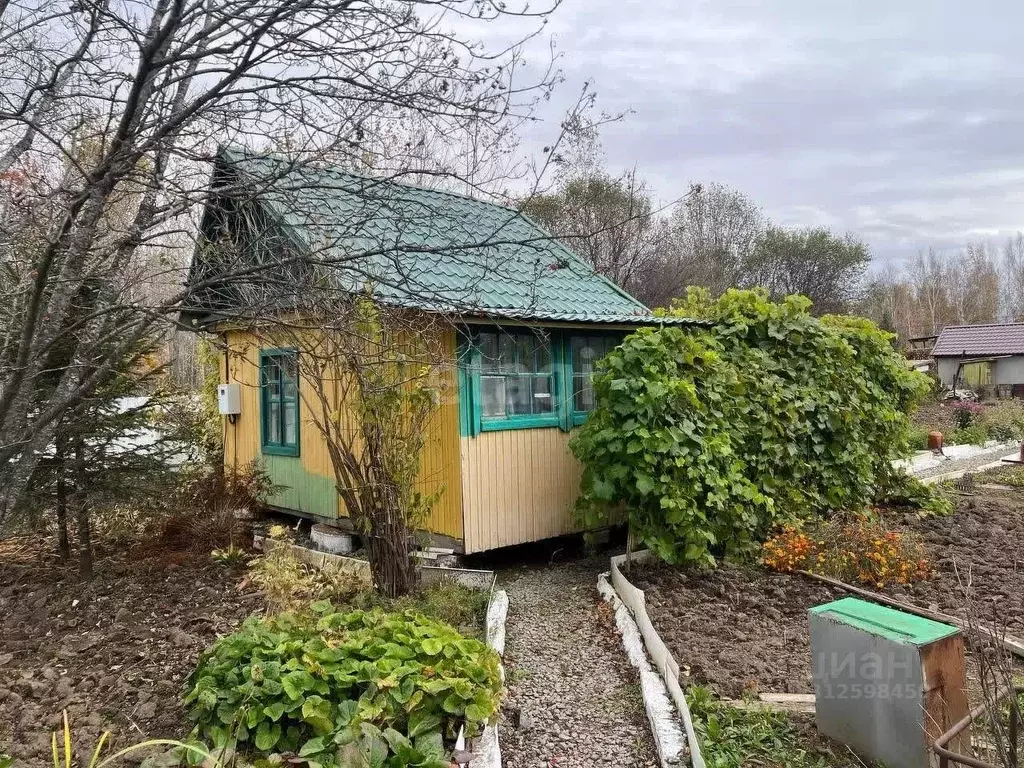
x=901 y=120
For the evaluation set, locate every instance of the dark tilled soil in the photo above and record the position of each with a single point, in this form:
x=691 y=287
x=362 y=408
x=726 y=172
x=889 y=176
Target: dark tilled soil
x=979 y=550
x=745 y=629
x=114 y=652
x=934 y=416
x=738 y=629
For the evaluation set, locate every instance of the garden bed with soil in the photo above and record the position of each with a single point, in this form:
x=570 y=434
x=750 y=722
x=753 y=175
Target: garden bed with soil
x=981 y=546
x=743 y=630
x=114 y=652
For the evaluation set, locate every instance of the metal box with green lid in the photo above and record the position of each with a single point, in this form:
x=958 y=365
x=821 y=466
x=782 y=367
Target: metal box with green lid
x=887 y=683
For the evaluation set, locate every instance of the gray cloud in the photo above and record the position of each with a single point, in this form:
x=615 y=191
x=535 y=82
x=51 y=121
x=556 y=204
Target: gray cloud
x=901 y=121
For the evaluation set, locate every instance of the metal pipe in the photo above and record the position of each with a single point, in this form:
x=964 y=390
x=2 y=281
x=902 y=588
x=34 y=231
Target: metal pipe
x=945 y=755
x=1014 y=706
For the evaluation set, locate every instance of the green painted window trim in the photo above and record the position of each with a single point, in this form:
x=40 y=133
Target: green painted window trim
x=471 y=419
x=520 y=422
x=266 y=446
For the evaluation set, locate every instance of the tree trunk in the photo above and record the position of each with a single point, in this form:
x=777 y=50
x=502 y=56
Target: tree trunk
x=82 y=516
x=61 y=502
x=390 y=556
x=63 y=545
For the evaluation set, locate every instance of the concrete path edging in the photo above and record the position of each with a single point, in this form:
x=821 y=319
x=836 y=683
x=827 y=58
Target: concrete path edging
x=661 y=658
x=669 y=740
x=429 y=574
x=486 y=750
x=931 y=479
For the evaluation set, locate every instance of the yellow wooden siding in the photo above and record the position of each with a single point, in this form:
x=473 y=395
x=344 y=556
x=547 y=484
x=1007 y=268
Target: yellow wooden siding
x=518 y=485
x=440 y=461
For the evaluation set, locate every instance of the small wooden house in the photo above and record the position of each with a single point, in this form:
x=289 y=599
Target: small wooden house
x=988 y=358
x=525 y=322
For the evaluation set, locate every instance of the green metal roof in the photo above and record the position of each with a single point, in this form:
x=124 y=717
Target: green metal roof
x=880 y=620
x=430 y=249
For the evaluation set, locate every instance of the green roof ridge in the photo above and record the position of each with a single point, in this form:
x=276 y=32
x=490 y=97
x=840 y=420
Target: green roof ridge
x=244 y=153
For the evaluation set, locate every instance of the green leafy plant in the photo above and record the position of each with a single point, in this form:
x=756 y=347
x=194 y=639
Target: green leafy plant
x=976 y=434
x=918 y=440
x=713 y=437
x=896 y=488
x=736 y=738
x=447 y=601
x=378 y=687
x=231 y=556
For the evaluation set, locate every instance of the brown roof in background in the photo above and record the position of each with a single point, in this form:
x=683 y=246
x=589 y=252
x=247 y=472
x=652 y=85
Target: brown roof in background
x=973 y=340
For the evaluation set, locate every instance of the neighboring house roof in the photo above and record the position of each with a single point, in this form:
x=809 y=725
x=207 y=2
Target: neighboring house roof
x=975 y=340
x=429 y=249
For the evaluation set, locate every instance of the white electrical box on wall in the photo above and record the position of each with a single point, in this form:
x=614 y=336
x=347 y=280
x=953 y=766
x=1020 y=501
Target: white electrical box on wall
x=229 y=399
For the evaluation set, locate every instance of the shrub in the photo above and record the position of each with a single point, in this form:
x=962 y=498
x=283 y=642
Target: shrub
x=713 y=437
x=966 y=414
x=976 y=434
x=288 y=584
x=200 y=514
x=899 y=489
x=861 y=550
x=384 y=685
x=918 y=440
x=1004 y=420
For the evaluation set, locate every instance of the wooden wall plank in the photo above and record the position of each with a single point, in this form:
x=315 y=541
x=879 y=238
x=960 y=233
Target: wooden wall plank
x=519 y=485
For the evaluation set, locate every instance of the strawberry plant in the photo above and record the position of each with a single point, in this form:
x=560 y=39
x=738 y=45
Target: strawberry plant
x=365 y=688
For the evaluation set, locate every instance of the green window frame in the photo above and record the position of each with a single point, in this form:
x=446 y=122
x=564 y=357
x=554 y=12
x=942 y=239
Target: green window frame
x=279 y=402
x=528 y=378
x=583 y=352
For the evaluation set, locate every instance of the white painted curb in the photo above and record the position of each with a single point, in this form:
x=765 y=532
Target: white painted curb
x=497 y=612
x=661 y=658
x=669 y=740
x=961 y=472
x=486 y=750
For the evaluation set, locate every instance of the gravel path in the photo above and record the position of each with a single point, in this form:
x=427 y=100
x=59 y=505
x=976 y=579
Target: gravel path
x=978 y=460
x=574 y=701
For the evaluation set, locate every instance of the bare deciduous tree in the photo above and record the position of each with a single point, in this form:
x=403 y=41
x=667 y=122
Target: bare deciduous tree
x=370 y=377
x=110 y=112
x=609 y=221
x=714 y=231
x=977 y=284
